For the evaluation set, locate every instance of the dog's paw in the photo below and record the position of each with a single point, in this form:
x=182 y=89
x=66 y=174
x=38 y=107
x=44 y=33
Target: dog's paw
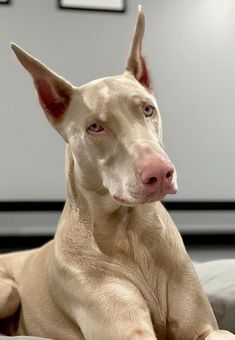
x=220 y=335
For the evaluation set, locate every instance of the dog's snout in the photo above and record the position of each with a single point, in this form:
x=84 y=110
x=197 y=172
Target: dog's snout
x=157 y=173
x=169 y=174
x=151 y=180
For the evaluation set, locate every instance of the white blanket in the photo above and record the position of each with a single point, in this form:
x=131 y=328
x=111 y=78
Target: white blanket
x=218 y=280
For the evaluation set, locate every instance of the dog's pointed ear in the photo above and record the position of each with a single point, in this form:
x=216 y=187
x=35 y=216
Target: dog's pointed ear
x=136 y=64
x=54 y=92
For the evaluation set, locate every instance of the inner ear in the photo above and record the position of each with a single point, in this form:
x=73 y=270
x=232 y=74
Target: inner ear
x=144 y=77
x=53 y=97
x=54 y=92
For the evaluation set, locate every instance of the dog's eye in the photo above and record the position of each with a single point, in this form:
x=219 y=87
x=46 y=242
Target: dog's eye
x=149 y=111
x=95 y=128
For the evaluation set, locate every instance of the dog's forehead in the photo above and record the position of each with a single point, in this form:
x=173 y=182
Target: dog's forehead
x=113 y=90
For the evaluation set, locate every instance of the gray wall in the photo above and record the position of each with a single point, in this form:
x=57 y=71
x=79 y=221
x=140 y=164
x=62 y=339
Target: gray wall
x=190 y=47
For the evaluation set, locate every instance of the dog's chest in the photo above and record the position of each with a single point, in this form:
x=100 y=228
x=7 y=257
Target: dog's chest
x=136 y=247
x=140 y=251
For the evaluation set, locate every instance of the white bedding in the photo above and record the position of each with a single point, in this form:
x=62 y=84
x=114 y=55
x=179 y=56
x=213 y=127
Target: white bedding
x=218 y=280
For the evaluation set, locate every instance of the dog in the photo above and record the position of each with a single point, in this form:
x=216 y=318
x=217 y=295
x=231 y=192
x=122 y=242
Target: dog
x=117 y=268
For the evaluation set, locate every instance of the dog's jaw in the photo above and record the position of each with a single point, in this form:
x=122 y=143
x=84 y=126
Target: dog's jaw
x=143 y=198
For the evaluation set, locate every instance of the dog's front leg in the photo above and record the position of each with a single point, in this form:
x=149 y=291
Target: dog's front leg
x=112 y=310
x=190 y=314
x=9 y=297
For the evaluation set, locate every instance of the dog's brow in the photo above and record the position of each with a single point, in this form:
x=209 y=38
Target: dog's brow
x=139 y=99
x=104 y=92
x=136 y=99
x=103 y=117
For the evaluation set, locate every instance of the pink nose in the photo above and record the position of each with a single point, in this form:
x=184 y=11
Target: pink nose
x=157 y=174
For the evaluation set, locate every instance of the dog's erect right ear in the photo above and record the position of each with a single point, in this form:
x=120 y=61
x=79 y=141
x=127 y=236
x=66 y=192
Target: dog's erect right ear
x=136 y=64
x=54 y=92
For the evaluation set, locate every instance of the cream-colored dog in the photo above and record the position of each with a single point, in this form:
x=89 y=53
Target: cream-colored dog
x=117 y=268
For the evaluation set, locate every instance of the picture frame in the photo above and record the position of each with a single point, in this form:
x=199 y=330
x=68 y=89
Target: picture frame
x=94 y=5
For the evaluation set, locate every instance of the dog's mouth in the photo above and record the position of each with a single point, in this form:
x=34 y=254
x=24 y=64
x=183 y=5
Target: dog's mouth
x=144 y=197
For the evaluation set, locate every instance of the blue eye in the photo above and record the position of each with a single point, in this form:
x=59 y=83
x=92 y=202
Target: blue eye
x=95 y=128
x=149 y=110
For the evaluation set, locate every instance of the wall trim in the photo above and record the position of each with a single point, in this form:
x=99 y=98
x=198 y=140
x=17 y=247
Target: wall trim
x=29 y=206
x=200 y=205
x=20 y=242
x=190 y=239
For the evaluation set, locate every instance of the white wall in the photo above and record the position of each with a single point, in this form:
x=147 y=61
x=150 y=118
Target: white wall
x=190 y=46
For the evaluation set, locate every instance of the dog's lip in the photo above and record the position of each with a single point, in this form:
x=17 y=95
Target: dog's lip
x=171 y=190
x=148 y=197
x=144 y=199
x=120 y=199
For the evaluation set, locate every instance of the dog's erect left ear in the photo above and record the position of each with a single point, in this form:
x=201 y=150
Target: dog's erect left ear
x=136 y=64
x=54 y=92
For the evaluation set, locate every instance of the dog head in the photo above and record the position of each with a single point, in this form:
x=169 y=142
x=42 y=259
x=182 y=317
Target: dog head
x=112 y=125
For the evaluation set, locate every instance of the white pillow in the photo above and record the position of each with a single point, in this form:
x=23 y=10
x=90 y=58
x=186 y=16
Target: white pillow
x=218 y=280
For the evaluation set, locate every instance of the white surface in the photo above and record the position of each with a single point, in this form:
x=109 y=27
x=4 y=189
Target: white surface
x=208 y=253
x=31 y=223
x=218 y=280
x=28 y=224
x=101 y=4
x=190 y=46
x=204 y=221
